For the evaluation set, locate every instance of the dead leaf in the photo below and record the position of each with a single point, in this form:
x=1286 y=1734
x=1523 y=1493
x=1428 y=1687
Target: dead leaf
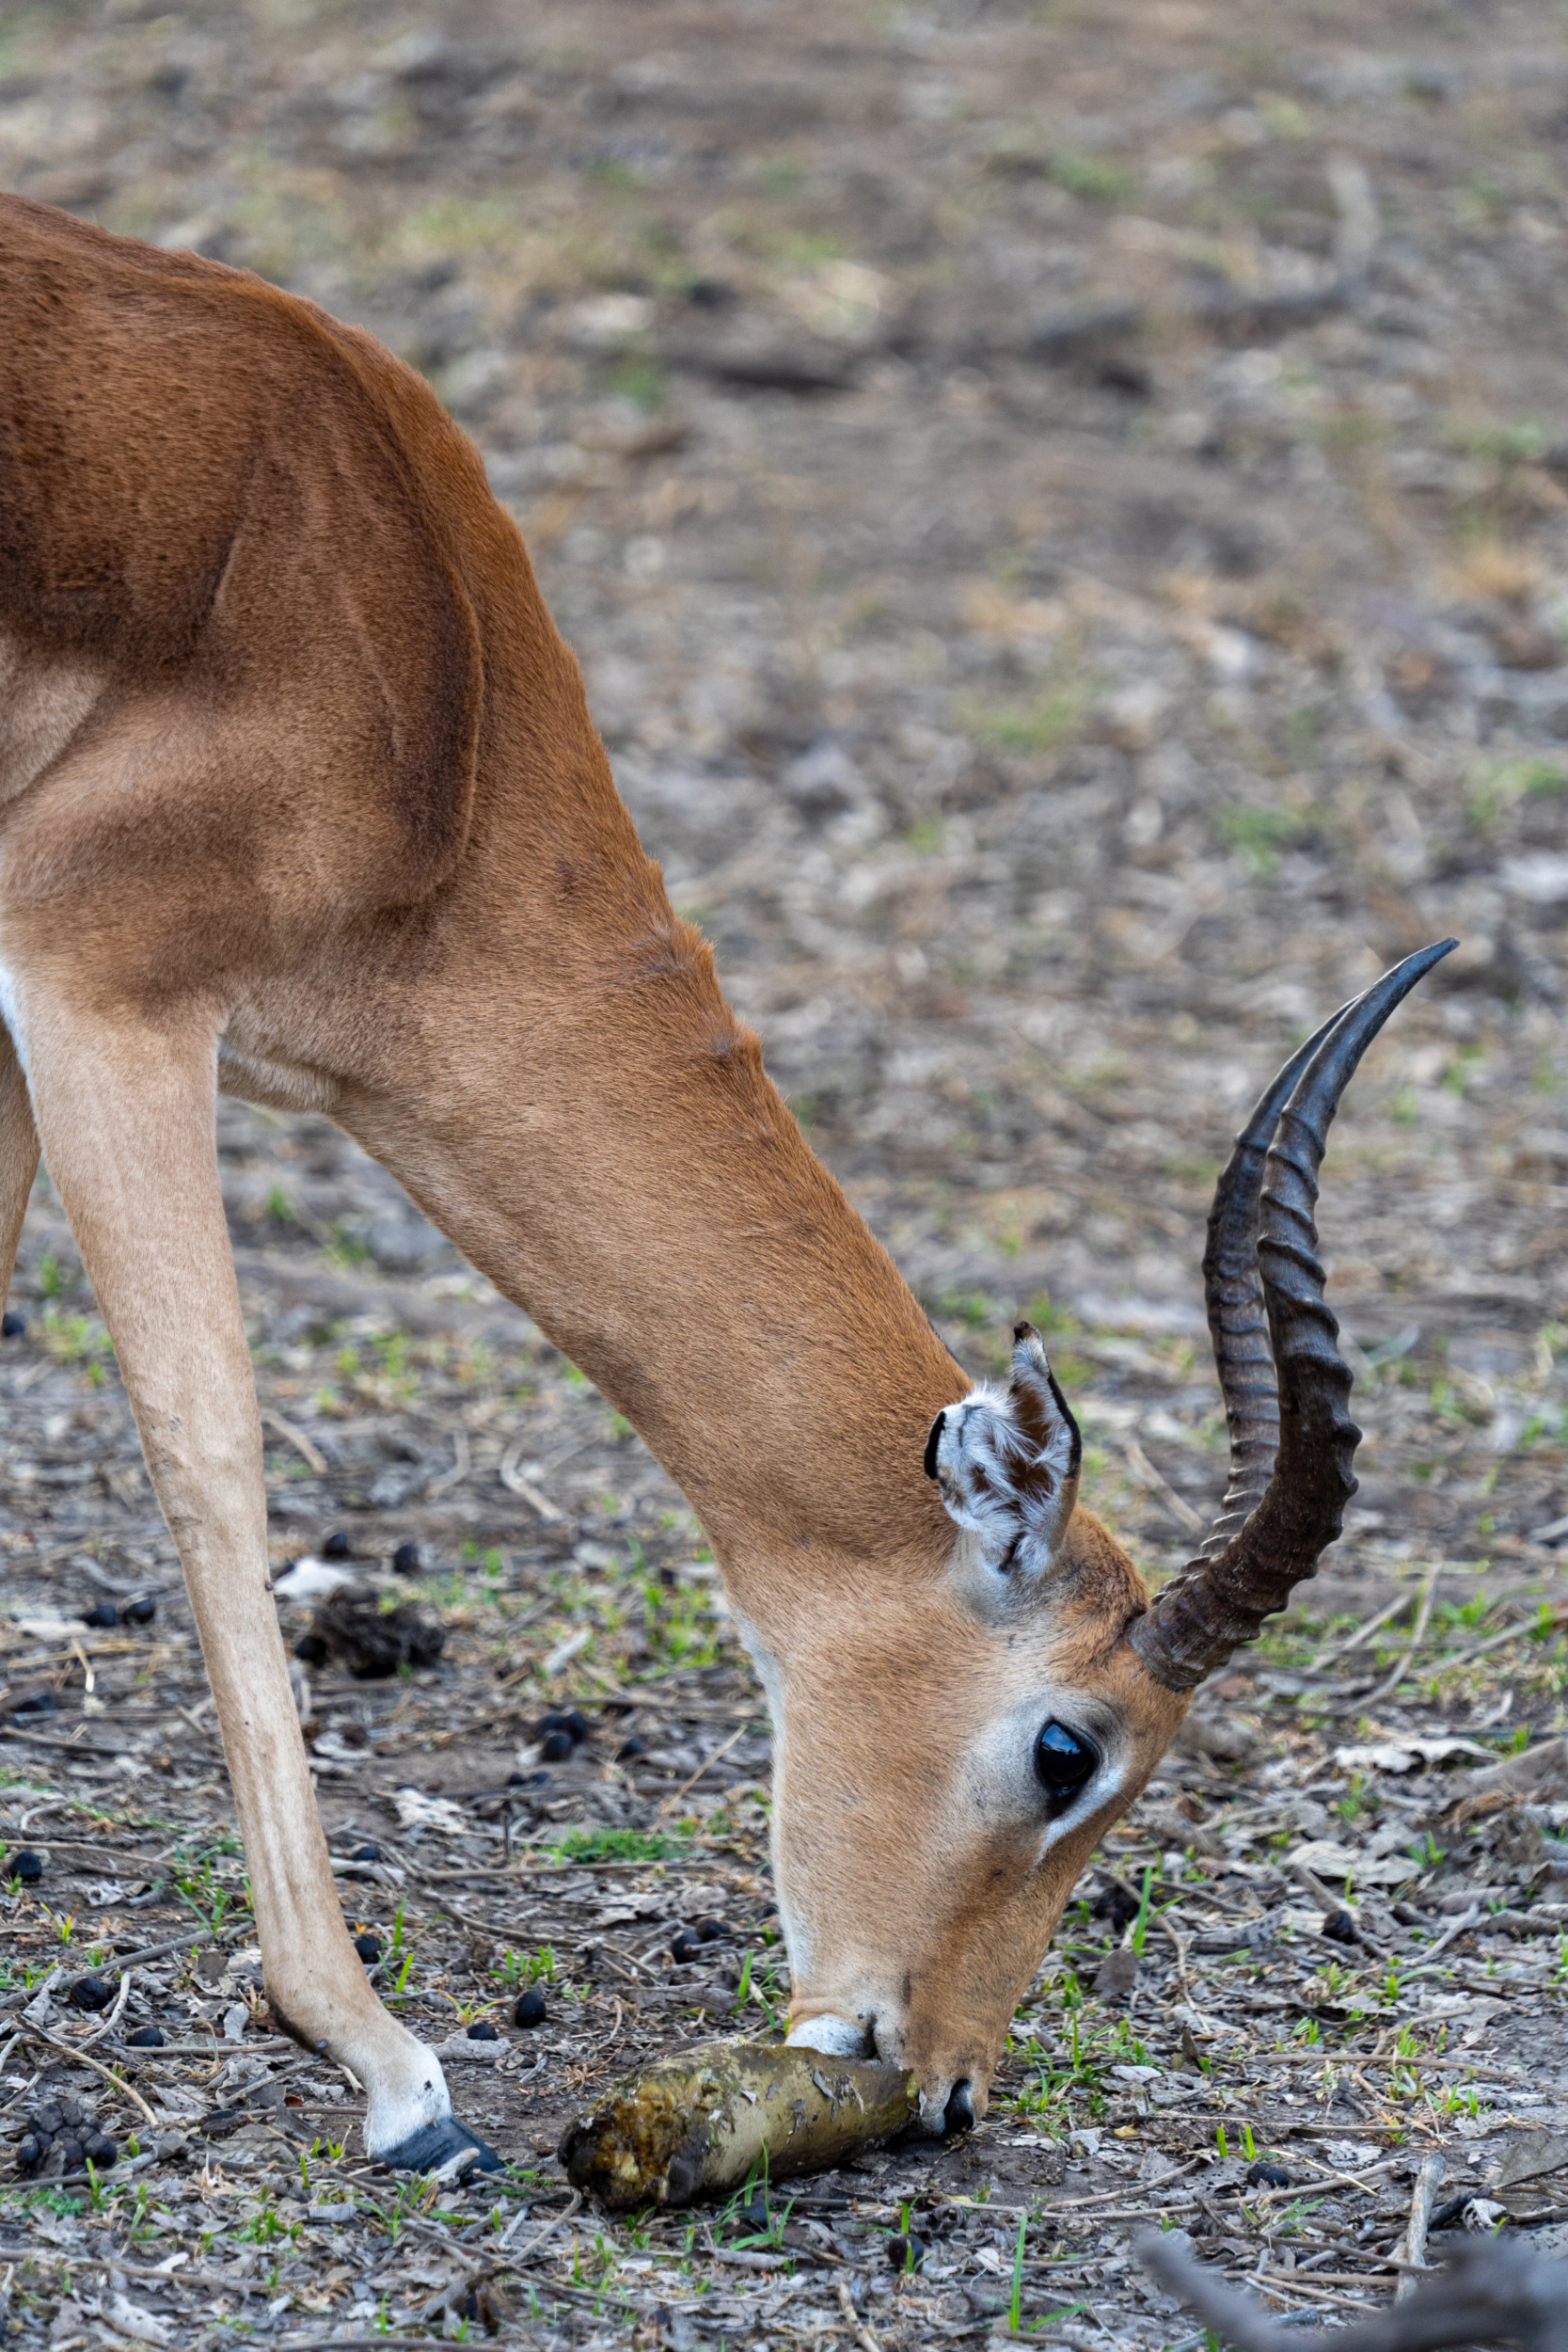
x=1403 y=1756
x=1118 y=1974
x=417 y=1811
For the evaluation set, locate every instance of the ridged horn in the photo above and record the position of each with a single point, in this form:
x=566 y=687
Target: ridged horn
x=1286 y=1390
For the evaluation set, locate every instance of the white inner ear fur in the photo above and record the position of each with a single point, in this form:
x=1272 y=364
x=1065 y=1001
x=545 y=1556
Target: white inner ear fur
x=1007 y=1466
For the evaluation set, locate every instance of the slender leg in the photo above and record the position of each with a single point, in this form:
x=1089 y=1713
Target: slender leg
x=127 y=1118
x=18 y=1157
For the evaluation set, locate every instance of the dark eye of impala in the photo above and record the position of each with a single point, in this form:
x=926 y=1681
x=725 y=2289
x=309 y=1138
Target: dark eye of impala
x=1064 y=1761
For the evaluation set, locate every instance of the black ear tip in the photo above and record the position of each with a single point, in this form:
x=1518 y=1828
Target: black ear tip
x=1023 y=1333
x=932 y=1441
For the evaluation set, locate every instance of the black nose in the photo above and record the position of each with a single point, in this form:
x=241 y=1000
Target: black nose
x=959 y=2115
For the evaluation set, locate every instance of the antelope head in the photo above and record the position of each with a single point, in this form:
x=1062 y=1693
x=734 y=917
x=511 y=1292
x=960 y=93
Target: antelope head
x=1022 y=1697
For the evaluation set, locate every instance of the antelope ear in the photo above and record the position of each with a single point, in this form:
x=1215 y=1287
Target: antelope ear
x=1007 y=1466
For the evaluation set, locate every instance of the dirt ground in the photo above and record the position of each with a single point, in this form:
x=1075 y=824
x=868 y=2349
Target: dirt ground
x=1064 y=511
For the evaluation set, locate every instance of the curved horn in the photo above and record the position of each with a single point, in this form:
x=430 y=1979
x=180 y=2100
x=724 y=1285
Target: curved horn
x=1245 y=1571
x=1233 y=1297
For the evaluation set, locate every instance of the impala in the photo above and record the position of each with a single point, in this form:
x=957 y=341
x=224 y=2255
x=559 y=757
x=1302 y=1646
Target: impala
x=300 y=801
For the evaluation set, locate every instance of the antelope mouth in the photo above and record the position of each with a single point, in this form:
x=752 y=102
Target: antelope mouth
x=948 y=2106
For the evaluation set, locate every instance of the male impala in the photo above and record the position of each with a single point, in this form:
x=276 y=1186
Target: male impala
x=299 y=799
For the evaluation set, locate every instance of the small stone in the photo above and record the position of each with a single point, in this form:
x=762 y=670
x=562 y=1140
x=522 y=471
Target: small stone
x=556 y=1746
x=482 y=2030
x=1265 y=2175
x=712 y=1930
x=630 y=1749
x=12 y=1326
x=49 y=2120
x=336 y=1545
x=406 y=1560
x=905 y=2251
x=686 y=1946
x=553 y=1721
x=366 y=1853
x=145 y=2037
x=25 y=1865
x=101 y=2151
x=30 y=2152
x=71 y=2152
x=368 y=1948
x=103 y=1612
x=1340 y=1926
x=139 y=1612
x=575 y=1725
x=530 y=2009
x=90 y=1992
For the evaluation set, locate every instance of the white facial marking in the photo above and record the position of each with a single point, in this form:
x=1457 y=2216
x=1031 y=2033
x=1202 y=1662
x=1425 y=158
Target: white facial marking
x=837 y=2035
x=998 y=1778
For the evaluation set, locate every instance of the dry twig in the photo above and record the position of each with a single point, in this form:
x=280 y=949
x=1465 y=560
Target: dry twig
x=1415 y=2248
x=1391 y=1683
x=1492 y=2291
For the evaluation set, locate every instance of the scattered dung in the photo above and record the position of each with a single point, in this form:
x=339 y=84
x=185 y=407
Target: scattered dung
x=90 y=1992
x=60 y=2139
x=352 y=1630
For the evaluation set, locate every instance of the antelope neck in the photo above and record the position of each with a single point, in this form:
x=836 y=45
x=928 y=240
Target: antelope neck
x=609 y=1150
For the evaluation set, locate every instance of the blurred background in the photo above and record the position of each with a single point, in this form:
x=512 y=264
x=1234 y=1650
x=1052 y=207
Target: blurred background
x=1062 y=510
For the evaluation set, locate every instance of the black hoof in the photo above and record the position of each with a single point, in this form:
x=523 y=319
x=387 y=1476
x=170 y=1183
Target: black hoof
x=433 y=2148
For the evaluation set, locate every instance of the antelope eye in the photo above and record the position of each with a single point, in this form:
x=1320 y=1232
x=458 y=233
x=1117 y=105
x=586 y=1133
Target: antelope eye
x=1064 y=1761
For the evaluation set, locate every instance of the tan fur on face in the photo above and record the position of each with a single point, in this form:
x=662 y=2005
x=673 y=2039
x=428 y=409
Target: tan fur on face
x=908 y=1902
x=304 y=795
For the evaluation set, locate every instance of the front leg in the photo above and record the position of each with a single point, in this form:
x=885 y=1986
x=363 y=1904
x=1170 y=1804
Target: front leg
x=127 y=1119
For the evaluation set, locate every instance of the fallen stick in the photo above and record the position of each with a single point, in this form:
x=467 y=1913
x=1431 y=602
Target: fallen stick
x=1492 y=2290
x=1427 y=2181
x=698 y=2124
